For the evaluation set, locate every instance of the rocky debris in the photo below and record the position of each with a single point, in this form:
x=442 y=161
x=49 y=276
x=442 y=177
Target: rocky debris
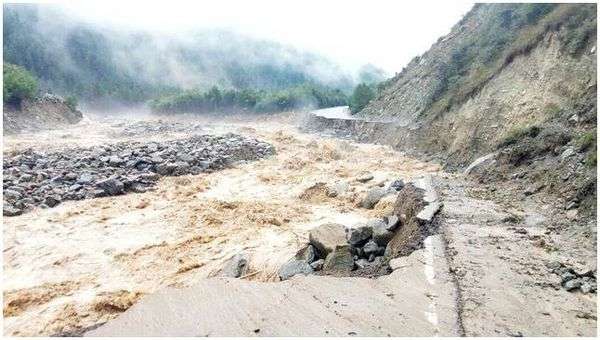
x=367 y=248
x=34 y=178
x=294 y=267
x=156 y=127
x=236 y=267
x=326 y=237
x=372 y=198
x=572 y=280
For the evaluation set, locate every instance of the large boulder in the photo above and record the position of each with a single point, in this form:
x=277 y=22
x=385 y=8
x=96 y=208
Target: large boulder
x=294 y=267
x=326 y=237
x=340 y=260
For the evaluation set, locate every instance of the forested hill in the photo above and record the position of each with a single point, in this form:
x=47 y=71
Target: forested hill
x=97 y=64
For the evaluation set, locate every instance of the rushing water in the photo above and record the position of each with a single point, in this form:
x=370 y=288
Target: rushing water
x=83 y=262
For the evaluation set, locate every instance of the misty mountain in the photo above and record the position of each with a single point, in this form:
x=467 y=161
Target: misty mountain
x=97 y=63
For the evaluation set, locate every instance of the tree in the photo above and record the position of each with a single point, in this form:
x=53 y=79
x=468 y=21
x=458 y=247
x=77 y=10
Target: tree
x=19 y=84
x=361 y=96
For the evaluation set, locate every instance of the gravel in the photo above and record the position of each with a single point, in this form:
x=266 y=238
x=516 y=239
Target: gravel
x=38 y=179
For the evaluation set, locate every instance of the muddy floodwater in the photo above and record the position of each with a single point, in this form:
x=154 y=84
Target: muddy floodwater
x=81 y=263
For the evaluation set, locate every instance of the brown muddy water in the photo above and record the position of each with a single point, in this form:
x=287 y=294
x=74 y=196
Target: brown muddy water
x=82 y=263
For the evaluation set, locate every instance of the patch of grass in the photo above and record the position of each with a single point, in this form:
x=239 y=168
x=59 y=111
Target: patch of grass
x=587 y=140
x=552 y=109
x=518 y=134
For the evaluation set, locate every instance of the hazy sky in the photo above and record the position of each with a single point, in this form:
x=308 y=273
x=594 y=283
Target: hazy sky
x=387 y=33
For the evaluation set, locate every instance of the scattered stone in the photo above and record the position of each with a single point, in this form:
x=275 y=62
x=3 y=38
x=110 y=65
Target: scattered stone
x=294 y=267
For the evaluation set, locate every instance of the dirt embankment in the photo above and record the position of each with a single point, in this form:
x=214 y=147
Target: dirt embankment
x=45 y=112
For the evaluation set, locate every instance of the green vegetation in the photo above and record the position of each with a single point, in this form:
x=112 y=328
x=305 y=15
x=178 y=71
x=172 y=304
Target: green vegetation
x=509 y=30
x=361 y=96
x=217 y=100
x=19 y=84
x=97 y=64
x=517 y=134
x=587 y=140
x=71 y=102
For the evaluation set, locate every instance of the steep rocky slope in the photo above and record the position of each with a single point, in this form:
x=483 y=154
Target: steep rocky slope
x=45 y=112
x=517 y=80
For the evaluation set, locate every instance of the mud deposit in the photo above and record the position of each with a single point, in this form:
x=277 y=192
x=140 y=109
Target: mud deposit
x=72 y=267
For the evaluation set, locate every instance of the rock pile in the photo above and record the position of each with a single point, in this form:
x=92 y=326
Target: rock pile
x=45 y=179
x=153 y=127
x=339 y=250
x=573 y=280
x=366 y=248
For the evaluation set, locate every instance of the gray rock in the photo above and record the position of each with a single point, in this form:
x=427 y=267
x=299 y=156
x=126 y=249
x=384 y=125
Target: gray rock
x=358 y=235
x=393 y=222
x=111 y=186
x=340 y=260
x=364 y=178
x=381 y=235
x=318 y=264
x=9 y=210
x=371 y=248
x=326 y=237
x=308 y=254
x=397 y=185
x=12 y=195
x=572 y=284
x=75 y=187
x=373 y=196
x=115 y=160
x=85 y=178
x=52 y=201
x=588 y=287
x=294 y=267
x=236 y=267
